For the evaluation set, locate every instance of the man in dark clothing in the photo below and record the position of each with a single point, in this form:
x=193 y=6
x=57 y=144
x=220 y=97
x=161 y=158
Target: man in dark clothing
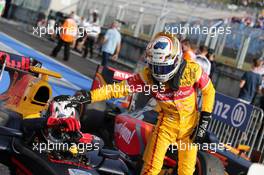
x=82 y=34
x=262 y=99
x=250 y=83
x=67 y=36
x=92 y=35
x=210 y=56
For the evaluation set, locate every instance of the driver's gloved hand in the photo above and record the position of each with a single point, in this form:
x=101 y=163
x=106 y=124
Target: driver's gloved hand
x=62 y=98
x=200 y=132
x=80 y=97
x=83 y=96
x=70 y=124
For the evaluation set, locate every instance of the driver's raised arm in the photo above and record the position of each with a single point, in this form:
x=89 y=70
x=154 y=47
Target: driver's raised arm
x=116 y=90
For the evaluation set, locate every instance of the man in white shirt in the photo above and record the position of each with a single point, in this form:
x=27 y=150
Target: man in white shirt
x=93 y=30
x=111 y=44
x=202 y=60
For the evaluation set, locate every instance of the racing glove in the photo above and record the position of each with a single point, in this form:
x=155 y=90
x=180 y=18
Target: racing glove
x=80 y=97
x=83 y=96
x=70 y=123
x=200 y=133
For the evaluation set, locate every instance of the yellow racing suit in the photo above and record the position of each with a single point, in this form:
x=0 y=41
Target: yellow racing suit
x=178 y=116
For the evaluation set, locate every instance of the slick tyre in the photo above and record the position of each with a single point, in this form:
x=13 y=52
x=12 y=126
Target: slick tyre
x=208 y=165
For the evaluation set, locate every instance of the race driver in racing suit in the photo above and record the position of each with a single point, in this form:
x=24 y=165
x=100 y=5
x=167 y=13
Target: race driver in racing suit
x=178 y=101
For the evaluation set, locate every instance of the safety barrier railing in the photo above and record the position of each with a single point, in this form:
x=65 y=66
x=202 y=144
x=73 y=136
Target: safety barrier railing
x=236 y=123
x=260 y=145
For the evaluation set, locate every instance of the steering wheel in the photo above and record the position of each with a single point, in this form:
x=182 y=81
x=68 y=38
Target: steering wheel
x=58 y=135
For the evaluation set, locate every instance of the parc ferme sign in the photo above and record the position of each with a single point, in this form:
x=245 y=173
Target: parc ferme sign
x=232 y=112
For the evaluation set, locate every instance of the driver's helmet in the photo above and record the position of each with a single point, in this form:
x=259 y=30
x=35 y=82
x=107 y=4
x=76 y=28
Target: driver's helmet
x=164 y=56
x=59 y=107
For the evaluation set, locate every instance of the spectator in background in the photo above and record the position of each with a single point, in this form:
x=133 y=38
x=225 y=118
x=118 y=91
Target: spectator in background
x=111 y=43
x=236 y=20
x=67 y=37
x=262 y=96
x=94 y=18
x=259 y=22
x=188 y=53
x=261 y=72
x=211 y=57
x=202 y=60
x=92 y=34
x=81 y=34
x=248 y=21
x=260 y=69
x=250 y=83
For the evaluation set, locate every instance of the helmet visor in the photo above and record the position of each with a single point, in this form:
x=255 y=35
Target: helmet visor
x=161 y=70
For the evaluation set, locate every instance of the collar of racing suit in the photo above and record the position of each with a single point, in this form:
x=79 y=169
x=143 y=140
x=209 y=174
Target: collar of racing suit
x=175 y=81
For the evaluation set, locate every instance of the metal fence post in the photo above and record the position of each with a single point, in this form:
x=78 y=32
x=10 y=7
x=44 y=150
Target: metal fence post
x=242 y=53
x=186 y=26
x=214 y=41
x=207 y=40
x=156 y=27
x=199 y=40
x=87 y=8
x=223 y=40
x=139 y=22
x=105 y=12
x=221 y=45
x=119 y=12
x=208 y=37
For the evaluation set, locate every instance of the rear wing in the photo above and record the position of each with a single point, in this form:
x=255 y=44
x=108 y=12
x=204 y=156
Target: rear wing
x=12 y=62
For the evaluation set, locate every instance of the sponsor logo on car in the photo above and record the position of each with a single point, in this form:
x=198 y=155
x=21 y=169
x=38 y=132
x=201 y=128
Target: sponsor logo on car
x=124 y=132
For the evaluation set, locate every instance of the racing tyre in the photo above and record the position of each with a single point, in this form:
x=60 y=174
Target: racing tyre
x=208 y=165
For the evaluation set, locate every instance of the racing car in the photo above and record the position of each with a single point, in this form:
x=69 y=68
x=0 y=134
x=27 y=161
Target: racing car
x=27 y=94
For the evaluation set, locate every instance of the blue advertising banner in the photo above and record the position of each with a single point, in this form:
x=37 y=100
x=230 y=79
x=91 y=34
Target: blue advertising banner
x=232 y=112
